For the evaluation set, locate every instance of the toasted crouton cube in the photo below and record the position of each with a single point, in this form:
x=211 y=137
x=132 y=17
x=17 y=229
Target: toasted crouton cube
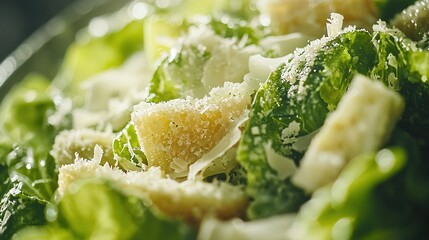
x=177 y=133
x=188 y=200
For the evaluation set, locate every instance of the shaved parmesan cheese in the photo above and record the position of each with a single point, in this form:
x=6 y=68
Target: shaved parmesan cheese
x=219 y=150
x=335 y=24
x=285 y=167
x=361 y=123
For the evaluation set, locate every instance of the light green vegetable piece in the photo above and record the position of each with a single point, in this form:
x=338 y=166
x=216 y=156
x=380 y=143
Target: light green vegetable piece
x=360 y=204
x=127 y=150
x=290 y=107
x=94 y=210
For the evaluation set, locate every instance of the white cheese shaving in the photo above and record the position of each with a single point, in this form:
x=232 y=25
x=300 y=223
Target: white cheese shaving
x=334 y=25
x=227 y=142
x=285 y=167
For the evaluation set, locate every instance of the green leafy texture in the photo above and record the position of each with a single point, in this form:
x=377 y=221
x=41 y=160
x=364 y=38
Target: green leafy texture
x=404 y=67
x=17 y=209
x=369 y=200
x=389 y=8
x=94 y=210
x=126 y=148
x=414 y=21
x=165 y=27
x=85 y=59
x=27 y=137
x=179 y=75
x=36 y=172
x=235 y=28
x=243 y=9
x=25 y=110
x=29 y=182
x=277 y=104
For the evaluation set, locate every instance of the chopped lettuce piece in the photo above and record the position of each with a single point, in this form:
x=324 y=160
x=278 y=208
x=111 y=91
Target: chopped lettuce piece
x=360 y=204
x=402 y=66
x=208 y=55
x=160 y=34
x=27 y=171
x=127 y=150
x=28 y=184
x=292 y=104
x=179 y=75
x=87 y=58
x=25 y=110
x=364 y=119
x=95 y=210
x=235 y=28
x=17 y=209
x=414 y=20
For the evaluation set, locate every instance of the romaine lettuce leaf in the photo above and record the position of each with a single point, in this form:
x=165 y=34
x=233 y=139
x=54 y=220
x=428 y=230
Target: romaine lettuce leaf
x=127 y=150
x=87 y=58
x=17 y=209
x=28 y=171
x=25 y=110
x=379 y=195
x=179 y=75
x=291 y=105
x=95 y=210
x=402 y=66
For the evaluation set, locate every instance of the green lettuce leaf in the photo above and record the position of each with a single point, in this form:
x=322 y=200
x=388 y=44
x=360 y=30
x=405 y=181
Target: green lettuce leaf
x=179 y=75
x=299 y=93
x=381 y=195
x=94 y=210
x=402 y=66
x=17 y=209
x=85 y=59
x=127 y=150
x=25 y=110
x=28 y=171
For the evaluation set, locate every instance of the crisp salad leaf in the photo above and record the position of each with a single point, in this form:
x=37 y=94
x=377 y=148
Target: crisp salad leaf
x=27 y=170
x=25 y=111
x=361 y=203
x=126 y=148
x=179 y=75
x=293 y=103
x=17 y=208
x=209 y=54
x=402 y=66
x=87 y=58
x=94 y=210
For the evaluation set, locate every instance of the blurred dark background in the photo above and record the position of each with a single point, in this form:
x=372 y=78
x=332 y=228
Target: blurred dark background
x=20 y=18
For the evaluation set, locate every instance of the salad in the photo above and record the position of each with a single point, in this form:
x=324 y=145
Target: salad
x=241 y=119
